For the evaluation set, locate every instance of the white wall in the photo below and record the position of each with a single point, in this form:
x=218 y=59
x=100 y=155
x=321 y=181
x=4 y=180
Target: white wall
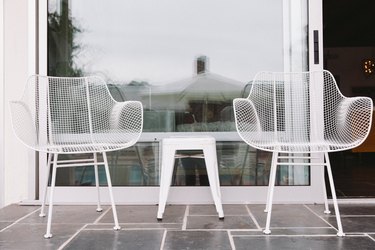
x=1 y=105
x=14 y=159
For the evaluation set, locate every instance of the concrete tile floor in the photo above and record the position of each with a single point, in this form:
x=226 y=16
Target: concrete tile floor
x=188 y=227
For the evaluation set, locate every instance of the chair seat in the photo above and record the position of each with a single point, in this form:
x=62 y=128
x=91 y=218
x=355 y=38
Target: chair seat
x=83 y=148
x=295 y=147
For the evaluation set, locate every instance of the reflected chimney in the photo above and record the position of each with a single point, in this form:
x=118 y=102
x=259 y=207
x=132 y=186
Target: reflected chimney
x=201 y=65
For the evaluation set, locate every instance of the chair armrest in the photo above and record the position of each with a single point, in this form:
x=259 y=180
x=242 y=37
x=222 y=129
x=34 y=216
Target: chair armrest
x=352 y=120
x=23 y=123
x=127 y=117
x=246 y=117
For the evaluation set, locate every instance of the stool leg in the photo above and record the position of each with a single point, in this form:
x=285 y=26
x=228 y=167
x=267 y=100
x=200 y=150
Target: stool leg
x=213 y=177
x=167 y=165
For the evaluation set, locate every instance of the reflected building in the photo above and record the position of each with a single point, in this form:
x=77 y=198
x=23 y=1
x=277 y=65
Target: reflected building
x=206 y=96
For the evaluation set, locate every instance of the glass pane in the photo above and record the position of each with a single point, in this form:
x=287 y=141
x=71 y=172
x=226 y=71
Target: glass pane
x=185 y=60
x=134 y=166
x=239 y=165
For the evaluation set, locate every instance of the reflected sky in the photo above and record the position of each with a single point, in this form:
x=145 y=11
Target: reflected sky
x=158 y=40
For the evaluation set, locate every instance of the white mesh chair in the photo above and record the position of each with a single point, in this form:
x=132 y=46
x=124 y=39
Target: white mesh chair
x=74 y=115
x=295 y=114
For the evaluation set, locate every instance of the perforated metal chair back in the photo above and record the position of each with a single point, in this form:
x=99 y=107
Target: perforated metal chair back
x=301 y=112
x=74 y=115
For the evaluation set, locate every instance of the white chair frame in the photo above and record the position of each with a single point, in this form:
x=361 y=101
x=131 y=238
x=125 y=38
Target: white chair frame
x=299 y=113
x=74 y=115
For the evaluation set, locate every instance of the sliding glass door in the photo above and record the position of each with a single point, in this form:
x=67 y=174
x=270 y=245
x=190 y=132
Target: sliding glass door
x=186 y=61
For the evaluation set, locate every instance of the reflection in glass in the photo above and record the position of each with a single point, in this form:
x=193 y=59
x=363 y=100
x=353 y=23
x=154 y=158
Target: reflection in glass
x=239 y=165
x=134 y=166
x=185 y=60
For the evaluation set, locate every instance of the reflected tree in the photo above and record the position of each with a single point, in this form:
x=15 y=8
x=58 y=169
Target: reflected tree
x=62 y=48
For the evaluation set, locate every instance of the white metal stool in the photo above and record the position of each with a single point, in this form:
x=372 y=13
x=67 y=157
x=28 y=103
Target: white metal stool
x=169 y=148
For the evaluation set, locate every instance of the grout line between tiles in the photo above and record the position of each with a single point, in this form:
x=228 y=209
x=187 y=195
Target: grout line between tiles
x=101 y=216
x=355 y=216
x=124 y=229
x=23 y=217
x=231 y=241
x=134 y=223
x=215 y=215
x=302 y=228
x=319 y=216
x=244 y=230
x=71 y=238
x=214 y=230
x=184 y=222
x=296 y=235
x=163 y=240
x=253 y=217
x=372 y=238
x=359 y=233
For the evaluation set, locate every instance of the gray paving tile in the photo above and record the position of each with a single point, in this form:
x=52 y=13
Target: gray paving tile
x=67 y=214
x=123 y=239
x=346 y=209
x=303 y=242
x=4 y=224
x=355 y=209
x=30 y=236
x=355 y=218
x=294 y=215
x=197 y=240
x=14 y=212
x=213 y=222
x=211 y=210
x=317 y=208
x=137 y=226
x=355 y=224
x=293 y=227
x=146 y=214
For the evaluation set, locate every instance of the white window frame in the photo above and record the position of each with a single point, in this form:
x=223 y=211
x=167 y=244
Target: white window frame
x=191 y=195
x=2 y=104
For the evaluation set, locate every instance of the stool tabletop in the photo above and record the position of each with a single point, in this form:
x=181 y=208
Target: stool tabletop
x=184 y=141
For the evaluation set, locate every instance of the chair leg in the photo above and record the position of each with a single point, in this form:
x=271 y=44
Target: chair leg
x=42 y=212
x=334 y=198
x=168 y=159
x=53 y=182
x=98 y=208
x=271 y=190
x=117 y=226
x=273 y=168
x=326 y=207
